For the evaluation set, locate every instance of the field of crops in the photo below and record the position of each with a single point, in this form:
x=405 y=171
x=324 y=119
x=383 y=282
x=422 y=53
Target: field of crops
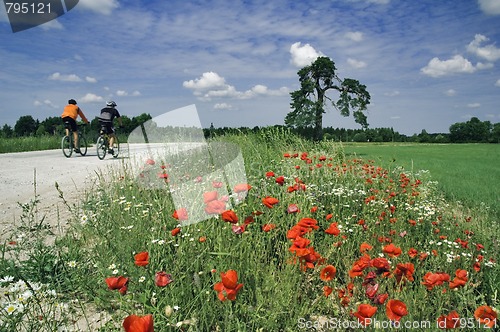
x=321 y=235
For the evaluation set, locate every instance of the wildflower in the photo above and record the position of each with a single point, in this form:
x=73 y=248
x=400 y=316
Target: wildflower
x=365 y=247
x=162 y=279
x=396 y=309
x=229 y=287
x=238 y=229
x=269 y=201
x=359 y=266
x=460 y=279
x=451 y=321
x=391 y=250
x=180 y=214
x=280 y=180
x=432 y=280
x=404 y=271
x=72 y=264
x=242 y=187
x=333 y=229
x=327 y=290
x=135 y=323
x=215 y=207
x=328 y=273
x=120 y=283
x=364 y=313
x=268 y=227
x=7 y=279
x=210 y=196
x=150 y=161
x=142 y=279
x=309 y=223
x=229 y=216
x=486 y=315
x=270 y=174
x=292 y=208
x=202 y=239
x=142 y=258
x=381 y=264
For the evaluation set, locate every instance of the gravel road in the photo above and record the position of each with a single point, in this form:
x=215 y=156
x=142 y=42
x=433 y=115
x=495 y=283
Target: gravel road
x=21 y=173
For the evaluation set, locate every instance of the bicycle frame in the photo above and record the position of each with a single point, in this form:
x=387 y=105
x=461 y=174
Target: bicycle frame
x=67 y=143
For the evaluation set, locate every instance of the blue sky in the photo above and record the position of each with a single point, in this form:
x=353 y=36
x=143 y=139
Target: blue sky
x=427 y=64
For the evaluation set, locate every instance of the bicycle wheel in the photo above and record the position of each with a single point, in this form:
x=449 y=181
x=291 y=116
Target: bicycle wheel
x=101 y=147
x=116 y=147
x=82 y=141
x=67 y=146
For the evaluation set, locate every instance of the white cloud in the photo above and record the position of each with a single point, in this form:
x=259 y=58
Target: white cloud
x=303 y=55
x=211 y=85
x=497 y=83
x=354 y=36
x=450 y=92
x=392 y=93
x=90 y=79
x=223 y=106
x=208 y=80
x=488 y=52
x=54 y=24
x=121 y=93
x=474 y=105
x=136 y=93
x=491 y=7
x=356 y=63
x=99 y=6
x=46 y=102
x=457 y=64
x=91 y=98
x=65 y=78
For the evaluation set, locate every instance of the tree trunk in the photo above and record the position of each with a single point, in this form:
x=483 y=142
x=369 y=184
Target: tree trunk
x=318 y=121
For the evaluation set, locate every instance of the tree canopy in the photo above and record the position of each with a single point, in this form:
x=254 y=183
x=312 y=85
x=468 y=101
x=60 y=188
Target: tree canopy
x=308 y=103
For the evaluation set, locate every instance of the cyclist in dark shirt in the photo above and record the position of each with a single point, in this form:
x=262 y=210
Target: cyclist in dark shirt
x=108 y=114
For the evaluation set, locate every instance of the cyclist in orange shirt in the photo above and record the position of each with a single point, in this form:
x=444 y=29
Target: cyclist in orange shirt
x=69 y=115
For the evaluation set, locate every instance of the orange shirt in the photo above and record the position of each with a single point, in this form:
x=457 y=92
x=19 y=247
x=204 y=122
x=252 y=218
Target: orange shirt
x=73 y=111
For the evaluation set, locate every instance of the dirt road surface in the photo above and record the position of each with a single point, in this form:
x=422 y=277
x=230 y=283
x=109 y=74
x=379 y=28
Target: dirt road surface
x=24 y=172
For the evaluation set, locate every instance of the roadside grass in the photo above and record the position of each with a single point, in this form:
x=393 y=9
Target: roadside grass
x=330 y=209
x=32 y=143
x=465 y=172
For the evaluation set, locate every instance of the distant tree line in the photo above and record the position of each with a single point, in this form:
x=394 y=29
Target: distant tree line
x=472 y=131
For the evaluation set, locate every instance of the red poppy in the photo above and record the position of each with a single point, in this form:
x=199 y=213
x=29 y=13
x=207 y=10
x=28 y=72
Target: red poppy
x=328 y=273
x=391 y=250
x=210 y=196
x=308 y=257
x=365 y=247
x=297 y=231
x=269 y=201
x=135 y=323
x=314 y=209
x=432 y=280
x=238 y=229
x=180 y=214
x=142 y=258
x=404 y=271
x=299 y=243
x=268 y=227
x=242 y=187
x=119 y=283
x=333 y=229
x=381 y=264
x=327 y=290
x=451 y=321
x=228 y=288
x=280 y=180
x=162 y=279
x=229 y=216
x=150 y=162
x=412 y=252
x=292 y=208
x=308 y=222
x=359 y=266
x=175 y=231
x=460 y=279
x=380 y=298
x=217 y=184
x=396 y=309
x=364 y=313
x=270 y=174
x=215 y=207
x=486 y=315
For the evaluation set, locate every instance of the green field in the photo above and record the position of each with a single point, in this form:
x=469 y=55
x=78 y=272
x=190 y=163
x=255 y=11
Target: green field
x=469 y=173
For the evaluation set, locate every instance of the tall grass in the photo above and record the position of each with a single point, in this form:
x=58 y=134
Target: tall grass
x=282 y=289
x=22 y=144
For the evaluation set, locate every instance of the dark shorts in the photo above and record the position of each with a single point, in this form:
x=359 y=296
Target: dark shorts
x=107 y=128
x=70 y=123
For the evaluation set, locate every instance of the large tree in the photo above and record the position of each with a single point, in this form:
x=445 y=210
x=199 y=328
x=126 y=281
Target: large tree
x=308 y=103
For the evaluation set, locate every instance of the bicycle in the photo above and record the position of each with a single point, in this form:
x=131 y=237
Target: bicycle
x=67 y=144
x=103 y=143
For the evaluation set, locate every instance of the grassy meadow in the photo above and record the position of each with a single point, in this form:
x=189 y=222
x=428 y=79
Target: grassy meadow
x=329 y=237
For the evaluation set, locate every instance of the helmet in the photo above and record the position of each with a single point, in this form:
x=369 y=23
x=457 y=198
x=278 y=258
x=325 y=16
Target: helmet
x=72 y=101
x=111 y=104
